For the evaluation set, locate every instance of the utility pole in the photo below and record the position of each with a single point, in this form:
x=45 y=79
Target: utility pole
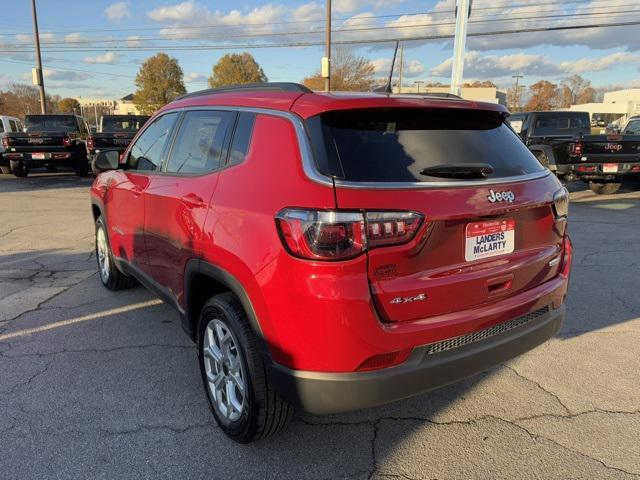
x=326 y=61
x=401 y=68
x=39 y=76
x=463 y=11
x=516 y=93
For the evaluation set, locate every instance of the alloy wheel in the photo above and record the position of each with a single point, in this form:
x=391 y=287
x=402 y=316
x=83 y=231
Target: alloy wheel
x=224 y=371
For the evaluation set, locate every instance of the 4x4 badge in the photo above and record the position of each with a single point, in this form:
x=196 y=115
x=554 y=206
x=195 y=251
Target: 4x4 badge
x=506 y=196
x=417 y=298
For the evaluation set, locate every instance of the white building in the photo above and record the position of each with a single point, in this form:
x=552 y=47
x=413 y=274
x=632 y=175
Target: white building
x=125 y=106
x=616 y=106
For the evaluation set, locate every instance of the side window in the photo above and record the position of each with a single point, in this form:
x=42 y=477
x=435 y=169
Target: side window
x=146 y=153
x=13 y=125
x=200 y=143
x=1 y=126
x=242 y=138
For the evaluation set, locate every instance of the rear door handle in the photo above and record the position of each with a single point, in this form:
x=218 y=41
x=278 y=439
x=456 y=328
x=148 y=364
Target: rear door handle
x=192 y=200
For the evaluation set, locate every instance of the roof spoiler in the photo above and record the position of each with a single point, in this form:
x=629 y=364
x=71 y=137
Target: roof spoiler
x=251 y=87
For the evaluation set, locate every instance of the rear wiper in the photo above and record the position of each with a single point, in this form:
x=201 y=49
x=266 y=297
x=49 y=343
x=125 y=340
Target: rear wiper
x=459 y=170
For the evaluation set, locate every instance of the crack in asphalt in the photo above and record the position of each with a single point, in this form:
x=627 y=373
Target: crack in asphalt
x=100 y=350
x=527 y=379
x=582 y=454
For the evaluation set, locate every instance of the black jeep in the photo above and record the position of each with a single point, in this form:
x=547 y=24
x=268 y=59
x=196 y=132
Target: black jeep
x=562 y=142
x=51 y=141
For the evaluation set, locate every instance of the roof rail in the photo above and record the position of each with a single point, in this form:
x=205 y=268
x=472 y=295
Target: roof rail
x=432 y=94
x=251 y=87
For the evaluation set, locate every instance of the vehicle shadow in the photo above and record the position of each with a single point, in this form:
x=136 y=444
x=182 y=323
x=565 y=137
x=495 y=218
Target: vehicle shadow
x=42 y=180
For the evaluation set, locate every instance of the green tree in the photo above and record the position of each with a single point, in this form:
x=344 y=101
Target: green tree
x=69 y=105
x=159 y=81
x=349 y=72
x=236 y=68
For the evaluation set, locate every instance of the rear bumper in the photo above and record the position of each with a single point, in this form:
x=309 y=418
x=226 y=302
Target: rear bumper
x=428 y=367
x=596 y=171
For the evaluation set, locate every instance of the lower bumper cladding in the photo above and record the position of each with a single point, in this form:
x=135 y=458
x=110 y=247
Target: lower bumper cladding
x=428 y=367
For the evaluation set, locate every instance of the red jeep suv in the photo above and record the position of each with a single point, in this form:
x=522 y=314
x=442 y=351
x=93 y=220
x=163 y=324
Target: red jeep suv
x=335 y=251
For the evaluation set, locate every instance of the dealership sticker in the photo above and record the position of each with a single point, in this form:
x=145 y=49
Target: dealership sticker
x=489 y=239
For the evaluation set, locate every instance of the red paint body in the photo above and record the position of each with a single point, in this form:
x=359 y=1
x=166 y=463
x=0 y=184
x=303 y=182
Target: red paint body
x=331 y=316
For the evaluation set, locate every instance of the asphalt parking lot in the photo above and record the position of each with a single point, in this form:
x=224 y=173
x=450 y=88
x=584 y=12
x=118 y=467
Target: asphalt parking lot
x=96 y=384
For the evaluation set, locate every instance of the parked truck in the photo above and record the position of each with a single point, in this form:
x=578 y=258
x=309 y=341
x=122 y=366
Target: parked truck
x=51 y=141
x=561 y=141
x=115 y=132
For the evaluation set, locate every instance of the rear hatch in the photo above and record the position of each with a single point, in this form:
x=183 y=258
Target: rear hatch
x=104 y=140
x=611 y=147
x=488 y=230
x=36 y=139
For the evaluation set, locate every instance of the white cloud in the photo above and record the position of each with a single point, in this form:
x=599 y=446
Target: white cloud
x=180 y=12
x=477 y=65
x=195 y=77
x=76 y=37
x=117 y=12
x=107 y=57
x=133 y=41
x=63 y=75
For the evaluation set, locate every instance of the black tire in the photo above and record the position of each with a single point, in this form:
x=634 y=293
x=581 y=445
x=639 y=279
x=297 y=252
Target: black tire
x=264 y=412
x=604 y=188
x=19 y=169
x=80 y=162
x=113 y=278
x=5 y=170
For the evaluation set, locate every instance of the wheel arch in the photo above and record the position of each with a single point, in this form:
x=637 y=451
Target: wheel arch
x=202 y=281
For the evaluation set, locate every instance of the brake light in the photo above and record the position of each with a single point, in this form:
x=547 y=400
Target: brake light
x=90 y=143
x=6 y=141
x=561 y=204
x=389 y=228
x=585 y=168
x=66 y=141
x=337 y=235
x=576 y=149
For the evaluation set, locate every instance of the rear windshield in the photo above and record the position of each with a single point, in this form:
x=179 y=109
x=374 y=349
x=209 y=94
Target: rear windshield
x=398 y=145
x=50 y=123
x=125 y=123
x=632 y=128
x=561 y=124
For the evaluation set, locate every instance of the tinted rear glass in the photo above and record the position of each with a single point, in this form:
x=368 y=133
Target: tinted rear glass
x=397 y=145
x=125 y=123
x=561 y=124
x=51 y=123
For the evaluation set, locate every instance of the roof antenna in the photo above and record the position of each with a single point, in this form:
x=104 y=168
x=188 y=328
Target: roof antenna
x=393 y=64
x=387 y=87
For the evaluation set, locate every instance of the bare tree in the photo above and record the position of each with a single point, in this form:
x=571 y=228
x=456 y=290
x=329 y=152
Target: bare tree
x=349 y=72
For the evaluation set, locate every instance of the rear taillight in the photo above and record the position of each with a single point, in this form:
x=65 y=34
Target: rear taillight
x=66 y=141
x=6 y=142
x=576 y=149
x=389 y=228
x=338 y=235
x=561 y=204
x=90 y=143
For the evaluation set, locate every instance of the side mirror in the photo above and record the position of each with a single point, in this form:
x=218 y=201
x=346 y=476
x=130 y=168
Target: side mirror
x=106 y=160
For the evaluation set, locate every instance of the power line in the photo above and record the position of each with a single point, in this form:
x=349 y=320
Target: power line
x=250 y=46
x=321 y=20
x=337 y=31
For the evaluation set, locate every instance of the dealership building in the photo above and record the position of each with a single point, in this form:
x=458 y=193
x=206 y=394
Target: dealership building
x=616 y=106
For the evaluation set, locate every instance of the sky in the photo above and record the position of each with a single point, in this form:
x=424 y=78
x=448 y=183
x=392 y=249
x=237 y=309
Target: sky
x=95 y=48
